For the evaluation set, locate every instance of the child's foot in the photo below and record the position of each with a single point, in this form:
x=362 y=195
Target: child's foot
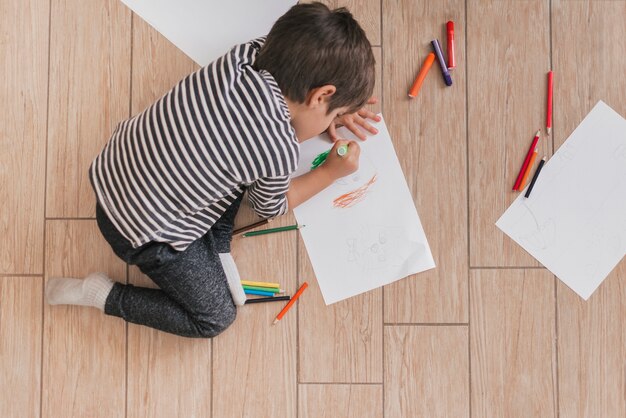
x=91 y=291
x=232 y=275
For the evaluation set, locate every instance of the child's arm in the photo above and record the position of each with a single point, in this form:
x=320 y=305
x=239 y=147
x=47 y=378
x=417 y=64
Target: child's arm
x=308 y=185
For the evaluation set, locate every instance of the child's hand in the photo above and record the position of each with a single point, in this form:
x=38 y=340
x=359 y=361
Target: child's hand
x=337 y=166
x=353 y=121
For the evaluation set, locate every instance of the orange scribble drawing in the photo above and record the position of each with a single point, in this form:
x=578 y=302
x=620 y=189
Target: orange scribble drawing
x=355 y=196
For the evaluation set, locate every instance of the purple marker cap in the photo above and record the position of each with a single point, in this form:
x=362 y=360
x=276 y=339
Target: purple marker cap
x=442 y=63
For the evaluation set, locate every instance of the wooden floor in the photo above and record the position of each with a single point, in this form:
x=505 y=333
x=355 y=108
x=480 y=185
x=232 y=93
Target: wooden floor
x=488 y=333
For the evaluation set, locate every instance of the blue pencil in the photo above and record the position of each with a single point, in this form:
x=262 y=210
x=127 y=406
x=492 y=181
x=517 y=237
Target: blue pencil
x=258 y=292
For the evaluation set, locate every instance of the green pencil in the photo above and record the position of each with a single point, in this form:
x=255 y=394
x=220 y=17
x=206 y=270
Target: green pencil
x=272 y=230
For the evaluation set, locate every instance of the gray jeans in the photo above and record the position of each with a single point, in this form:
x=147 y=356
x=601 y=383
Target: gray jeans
x=194 y=299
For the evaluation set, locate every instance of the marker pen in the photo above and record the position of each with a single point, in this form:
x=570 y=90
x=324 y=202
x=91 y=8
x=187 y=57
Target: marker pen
x=444 y=68
x=450 y=30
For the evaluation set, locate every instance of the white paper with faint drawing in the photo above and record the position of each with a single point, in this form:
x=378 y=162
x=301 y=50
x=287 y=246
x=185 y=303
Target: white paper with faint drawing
x=206 y=29
x=574 y=221
x=363 y=231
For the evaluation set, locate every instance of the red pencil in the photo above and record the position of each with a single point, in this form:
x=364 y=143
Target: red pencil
x=526 y=161
x=549 y=115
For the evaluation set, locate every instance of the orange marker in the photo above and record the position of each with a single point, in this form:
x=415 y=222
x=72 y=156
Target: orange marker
x=428 y=62
x=530 y=166
x=290 y=304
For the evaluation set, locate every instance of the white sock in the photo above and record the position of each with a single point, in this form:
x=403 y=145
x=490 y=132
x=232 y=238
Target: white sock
x=91 y=291
x=232 y=275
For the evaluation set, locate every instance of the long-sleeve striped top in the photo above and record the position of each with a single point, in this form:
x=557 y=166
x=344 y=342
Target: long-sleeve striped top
x=170 y=172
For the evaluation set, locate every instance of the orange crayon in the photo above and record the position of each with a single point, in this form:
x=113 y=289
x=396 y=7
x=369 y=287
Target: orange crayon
x=417 y=84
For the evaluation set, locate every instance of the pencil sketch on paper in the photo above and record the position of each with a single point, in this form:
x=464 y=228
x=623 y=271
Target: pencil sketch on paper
x=541 y=237
x=375 y=247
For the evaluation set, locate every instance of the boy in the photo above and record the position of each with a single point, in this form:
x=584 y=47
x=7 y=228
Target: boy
x=170 y=180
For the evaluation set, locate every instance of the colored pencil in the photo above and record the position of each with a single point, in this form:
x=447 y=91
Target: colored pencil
x=272 y=299
x=549 y=114
x=417 y=84
x=530 y=167
x=526 y=160
x=263 y=289
x=290 y=304
x=532 y=182
x=251 y=226
x=259 y=284
x=257 y=292
x=272 y=230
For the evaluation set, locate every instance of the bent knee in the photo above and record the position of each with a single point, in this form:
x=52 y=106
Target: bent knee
x=215 y=325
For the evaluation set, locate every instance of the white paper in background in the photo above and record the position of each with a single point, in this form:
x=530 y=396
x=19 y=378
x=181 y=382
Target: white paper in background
x=206 y=29
x=376 y=241
x=574 y=221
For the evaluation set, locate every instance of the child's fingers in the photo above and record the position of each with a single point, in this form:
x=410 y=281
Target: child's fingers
x=372 y=100
x=364 y=113
x=366 y=125
x=332 y=132
x=352 y=126
x=354 y=149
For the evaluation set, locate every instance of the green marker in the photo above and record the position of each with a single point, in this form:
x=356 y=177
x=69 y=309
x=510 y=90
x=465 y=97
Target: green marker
x=341 y=151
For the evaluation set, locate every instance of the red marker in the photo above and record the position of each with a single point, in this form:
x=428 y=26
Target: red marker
x=450 y=28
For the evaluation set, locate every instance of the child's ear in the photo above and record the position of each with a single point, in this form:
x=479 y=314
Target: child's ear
x=320 y=95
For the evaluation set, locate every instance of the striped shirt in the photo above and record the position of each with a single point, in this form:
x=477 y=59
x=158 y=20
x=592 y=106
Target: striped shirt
x=170 y=172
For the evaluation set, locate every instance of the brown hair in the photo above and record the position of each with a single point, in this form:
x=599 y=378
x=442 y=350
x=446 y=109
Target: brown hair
x=311 y=46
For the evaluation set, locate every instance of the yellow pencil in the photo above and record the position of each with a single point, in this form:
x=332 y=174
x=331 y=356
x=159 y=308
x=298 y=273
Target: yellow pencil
x=260 y=284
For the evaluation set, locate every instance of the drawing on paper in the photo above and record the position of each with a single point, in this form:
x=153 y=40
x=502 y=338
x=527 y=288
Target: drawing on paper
x=355 y=187
x=375 y=247
x=353 y=197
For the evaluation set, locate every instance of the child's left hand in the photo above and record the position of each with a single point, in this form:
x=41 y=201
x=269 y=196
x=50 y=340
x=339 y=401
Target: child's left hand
x=352 y=121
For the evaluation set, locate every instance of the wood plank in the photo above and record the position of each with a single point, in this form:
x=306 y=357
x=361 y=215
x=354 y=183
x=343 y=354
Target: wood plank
x=84 y=351
x=340 y=401
x=426 y=371
x=506 y=103
x=157 y=65
x=259 y=357
x=366 y=12
x=20 y=346
x=168 y=376
x=341 y=342
x=512 y=343
x=592 y=350
x=24 y=92
x=429 y=137
x=89 y=95
x=588 y=43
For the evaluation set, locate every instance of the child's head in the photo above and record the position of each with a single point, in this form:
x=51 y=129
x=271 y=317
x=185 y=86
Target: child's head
x=322 y=62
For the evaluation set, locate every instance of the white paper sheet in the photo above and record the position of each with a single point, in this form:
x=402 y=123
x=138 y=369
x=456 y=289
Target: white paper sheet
x=206 y=29
x=376 y=241
x=574 y=221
